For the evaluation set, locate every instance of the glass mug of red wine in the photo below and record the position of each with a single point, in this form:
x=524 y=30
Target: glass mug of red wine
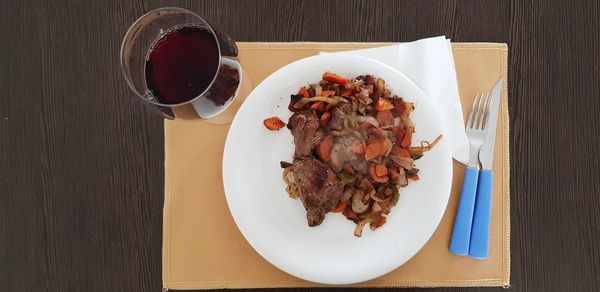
x=183 y=67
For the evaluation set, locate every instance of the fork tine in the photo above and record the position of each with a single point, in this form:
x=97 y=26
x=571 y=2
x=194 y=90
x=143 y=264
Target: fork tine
x=472 y=112
x=481 y=111
x=476 y=108
x=488 y=103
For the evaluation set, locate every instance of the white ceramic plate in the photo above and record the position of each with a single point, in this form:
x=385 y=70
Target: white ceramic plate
x=276 y=225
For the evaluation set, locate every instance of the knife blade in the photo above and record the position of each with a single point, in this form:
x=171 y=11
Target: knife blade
x=486 y=153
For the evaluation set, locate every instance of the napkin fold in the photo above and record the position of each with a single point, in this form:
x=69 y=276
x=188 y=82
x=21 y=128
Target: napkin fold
x=429 y=63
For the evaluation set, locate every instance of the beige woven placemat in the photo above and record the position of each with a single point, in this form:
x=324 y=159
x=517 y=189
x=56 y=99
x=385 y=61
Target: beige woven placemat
x=202 y=248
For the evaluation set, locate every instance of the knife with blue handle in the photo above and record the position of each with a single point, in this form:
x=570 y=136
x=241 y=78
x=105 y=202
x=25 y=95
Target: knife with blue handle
x=480 y=229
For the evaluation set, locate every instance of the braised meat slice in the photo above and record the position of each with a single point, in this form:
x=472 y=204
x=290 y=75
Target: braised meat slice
x=348 y=149
x=304 y=125
x=318 y=188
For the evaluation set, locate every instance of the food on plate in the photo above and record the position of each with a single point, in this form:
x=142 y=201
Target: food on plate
x=318 y=188
x=273 y=123
x=353 y=151
x=304 y=125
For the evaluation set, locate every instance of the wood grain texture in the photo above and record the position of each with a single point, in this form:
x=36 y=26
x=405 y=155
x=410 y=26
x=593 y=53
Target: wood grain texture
x=81 y=177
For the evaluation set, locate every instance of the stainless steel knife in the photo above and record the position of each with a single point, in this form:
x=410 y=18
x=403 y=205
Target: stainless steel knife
x=480 y=230
x=486 y=154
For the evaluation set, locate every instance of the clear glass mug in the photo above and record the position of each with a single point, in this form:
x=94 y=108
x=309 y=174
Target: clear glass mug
x=182 y=67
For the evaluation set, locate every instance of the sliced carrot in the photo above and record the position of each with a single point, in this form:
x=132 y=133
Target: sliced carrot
x=383 y=104
x=357 y=148
x=381 y=170
x=325 y=148
x=402 y=152
x=341 y=206
x=399 y=136
x=382 y=220
x=330 y=77
x=414 y=177
x=347 y=92
x=375 y=177
x=319 y=105
x=407 y=140
x=304 y=92
x=385 y=118
x=324 y=120
x=273 y=123
x=327 y=93
x=350 y=214
x=372 y=151
x=377 y=147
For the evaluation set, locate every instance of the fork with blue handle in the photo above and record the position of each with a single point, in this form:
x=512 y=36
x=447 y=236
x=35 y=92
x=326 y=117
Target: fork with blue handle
x=470 y=235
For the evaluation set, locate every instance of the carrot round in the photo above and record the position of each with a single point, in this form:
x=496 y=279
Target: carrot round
x=327 y=93
x=402 y=152
x=339 y=207
x=304 y=92
x=324 y=120
x=385 y=118
x=350 y=214
x=399 y=136
x=325 y=148
x=383 y=104
x=382 y=220
x=319 y=105
x=381 y=170
x=377 y=147
x=273 y=123
x=372 y=151
x=375 y=177
x=330 y=77
x=406 y=140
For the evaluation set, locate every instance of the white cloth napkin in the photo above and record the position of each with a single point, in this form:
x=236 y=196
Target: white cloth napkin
x=429 y=63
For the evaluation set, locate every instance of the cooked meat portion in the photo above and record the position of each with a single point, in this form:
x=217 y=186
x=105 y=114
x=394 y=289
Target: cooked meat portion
x=318 y=187
x=338 y=115
x=304 y=125
x=376 y=133
x=347 y=149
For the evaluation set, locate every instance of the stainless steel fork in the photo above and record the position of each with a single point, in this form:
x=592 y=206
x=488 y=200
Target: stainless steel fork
x=476 y=131
x=475 y=127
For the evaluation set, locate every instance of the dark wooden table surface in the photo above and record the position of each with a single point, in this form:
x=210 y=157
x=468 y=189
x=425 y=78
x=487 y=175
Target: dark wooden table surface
x=81 y=161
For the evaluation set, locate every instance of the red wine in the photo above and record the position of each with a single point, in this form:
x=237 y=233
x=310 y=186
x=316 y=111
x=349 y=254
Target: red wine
x=181 y=64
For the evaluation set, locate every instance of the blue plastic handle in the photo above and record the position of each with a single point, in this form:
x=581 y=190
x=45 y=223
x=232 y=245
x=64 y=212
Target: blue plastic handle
x=461 y=234
x=480 y=233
